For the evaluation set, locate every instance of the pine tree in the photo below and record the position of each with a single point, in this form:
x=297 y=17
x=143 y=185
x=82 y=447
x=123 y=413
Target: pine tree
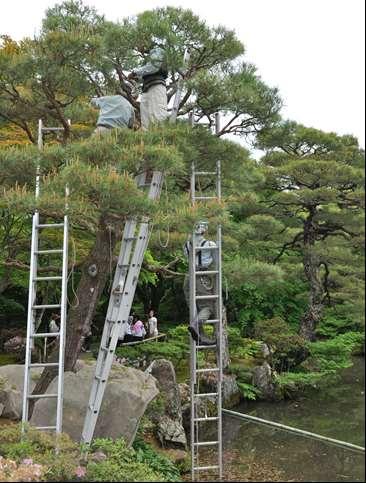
x=315 y=188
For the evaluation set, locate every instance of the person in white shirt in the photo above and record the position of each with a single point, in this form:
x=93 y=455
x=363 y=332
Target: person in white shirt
x=152 y=324
x=53 y=327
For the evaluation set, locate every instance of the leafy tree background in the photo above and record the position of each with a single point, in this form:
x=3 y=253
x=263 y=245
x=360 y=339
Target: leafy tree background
x=293 y=221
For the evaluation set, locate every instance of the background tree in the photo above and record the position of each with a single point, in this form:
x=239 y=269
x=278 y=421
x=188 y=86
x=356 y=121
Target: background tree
x=315 y=185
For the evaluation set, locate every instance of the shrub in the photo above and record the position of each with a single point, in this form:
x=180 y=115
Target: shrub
x=288 y=349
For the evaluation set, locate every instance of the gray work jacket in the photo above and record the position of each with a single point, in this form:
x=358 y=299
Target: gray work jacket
x=115 y=111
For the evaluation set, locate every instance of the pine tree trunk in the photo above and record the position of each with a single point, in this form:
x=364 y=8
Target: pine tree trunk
x=311 y=268
x=95 y=272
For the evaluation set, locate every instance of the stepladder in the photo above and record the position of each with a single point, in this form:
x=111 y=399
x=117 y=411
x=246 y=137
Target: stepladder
x=206 y=308
x=135 y=239
x=49 y=247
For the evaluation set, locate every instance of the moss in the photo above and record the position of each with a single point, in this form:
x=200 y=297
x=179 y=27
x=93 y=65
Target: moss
x=6 y=359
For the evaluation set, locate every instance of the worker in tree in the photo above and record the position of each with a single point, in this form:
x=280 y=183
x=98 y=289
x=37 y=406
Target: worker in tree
x=115 y=112
x=205 y=284
x=154 y=104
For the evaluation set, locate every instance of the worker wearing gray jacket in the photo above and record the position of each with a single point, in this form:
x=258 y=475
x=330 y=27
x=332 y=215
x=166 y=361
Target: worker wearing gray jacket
x=153 y=104
x=205 y=284
x=115 y=112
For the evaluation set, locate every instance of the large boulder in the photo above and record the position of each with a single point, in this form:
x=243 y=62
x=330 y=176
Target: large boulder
x=126 y=397
x=263 y=380
x=11 y=389
x=170 y=429
x=207 y=406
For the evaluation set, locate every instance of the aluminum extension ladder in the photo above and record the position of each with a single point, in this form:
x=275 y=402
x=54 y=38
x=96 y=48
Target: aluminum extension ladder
x=134 y=243
x=34 y=279
x=198 y=420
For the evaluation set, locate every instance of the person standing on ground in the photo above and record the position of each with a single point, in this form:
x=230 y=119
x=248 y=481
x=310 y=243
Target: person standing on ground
x=115 y=112
x=152 y=324
x=154 y=103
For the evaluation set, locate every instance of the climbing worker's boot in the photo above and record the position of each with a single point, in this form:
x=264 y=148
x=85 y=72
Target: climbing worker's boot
x=197 y=335
x=193 y=330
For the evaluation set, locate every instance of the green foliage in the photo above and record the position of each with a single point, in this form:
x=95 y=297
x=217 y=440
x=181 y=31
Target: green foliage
x=334 y=354
x=248 y=391
x=10 y=307
x=118 y=463
x=129 y=464
x=40 y=447
x=175 y=349
x=162 y=465
x=252 y=302
x=288 y=349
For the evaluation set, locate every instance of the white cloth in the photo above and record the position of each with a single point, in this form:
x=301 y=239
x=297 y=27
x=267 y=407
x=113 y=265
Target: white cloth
x=153 y=106
x=153 y=326
x=124 y=329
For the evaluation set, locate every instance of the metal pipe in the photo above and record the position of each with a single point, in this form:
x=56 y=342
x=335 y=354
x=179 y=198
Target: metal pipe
x=290 y=429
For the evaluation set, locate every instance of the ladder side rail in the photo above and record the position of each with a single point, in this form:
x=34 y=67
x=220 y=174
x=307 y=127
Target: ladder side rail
x=220 y=348
x=30 y=317
x=193 y=315
x=219 y=316
x=62 y=331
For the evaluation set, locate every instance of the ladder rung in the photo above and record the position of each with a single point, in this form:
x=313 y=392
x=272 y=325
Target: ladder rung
x=212 y=321
x=206 y=297
x=39 y=279
x=45 y=334
x=206 y=443
x=44 y=364
x=53 y=128
x=46 y=428
x=206 y=248
x=106 y=349
x=41 y=396
x=212 y=346
x=208 y=369
x=99 y=378
x=209 y=418
x=205 y=468
x=47 y=306
x=205 y=173
x=46 y=252
x=205 y=198
x=50 y=225
x=207 y=272
x=206 y=394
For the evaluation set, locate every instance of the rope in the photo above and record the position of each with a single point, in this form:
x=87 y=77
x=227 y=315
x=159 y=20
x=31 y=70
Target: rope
x=165 y=245
x=71 y=274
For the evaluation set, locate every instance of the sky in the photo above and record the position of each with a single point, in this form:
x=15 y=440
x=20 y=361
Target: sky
x=312 y=50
